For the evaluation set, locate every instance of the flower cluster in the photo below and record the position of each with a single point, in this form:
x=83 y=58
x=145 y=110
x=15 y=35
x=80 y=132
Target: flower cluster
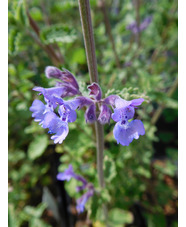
x=134 y=28
x=56 y=113
x=67 y=175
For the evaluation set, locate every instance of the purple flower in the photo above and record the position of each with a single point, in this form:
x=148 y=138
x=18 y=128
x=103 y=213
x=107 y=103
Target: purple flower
x=110 y=100
x=105 y=114
x=38 y=109
x=95 y=91
x=57 y=123
x=56 y=126
x=51 y=95
x=67 y=80
x=145 y=23
x=83 y=199
x=124 y=131
x=67 y=114
x=133 y=27
x=90 y=114
x=84 y=101
x=57 y=113
x=67 y=175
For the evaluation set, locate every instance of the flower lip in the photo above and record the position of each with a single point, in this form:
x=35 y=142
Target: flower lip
x=125 y=133
x=90 y=114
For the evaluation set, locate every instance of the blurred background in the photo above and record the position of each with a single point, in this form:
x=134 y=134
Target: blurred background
x=136 y=49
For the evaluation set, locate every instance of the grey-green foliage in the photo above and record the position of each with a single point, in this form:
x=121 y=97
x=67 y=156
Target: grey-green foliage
x=132 y=175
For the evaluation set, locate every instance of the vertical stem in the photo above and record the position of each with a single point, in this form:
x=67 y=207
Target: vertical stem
x=100 y=148
x=84 y=8
x=86 y=22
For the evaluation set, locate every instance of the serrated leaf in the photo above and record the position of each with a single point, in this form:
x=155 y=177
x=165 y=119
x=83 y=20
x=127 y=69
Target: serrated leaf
x=37 y=147
x=109 y=169
x=58 y=33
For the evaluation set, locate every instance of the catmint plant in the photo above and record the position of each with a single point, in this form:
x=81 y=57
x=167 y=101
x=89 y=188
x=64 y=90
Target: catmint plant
x=57 y=113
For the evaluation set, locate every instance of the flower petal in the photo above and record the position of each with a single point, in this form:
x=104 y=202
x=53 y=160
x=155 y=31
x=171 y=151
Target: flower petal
x=90 y=114
x=51 y=95
x=125 y=133
x=53 y=72
x=68 y=77
x=38 y=109
x=122 y=103
x=84 y=101
x=65 y=76
x=82 y=200
x=57 y=126
x=122 y=114
x=95 y=91
x=110 y=100
x=145 y=23
x=105 y=114
x=137 y=102
x=61 y=134
x=66 y=113
x=67 y=174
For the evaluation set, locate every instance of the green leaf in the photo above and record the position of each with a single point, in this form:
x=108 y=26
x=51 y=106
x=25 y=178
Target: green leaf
x=78 y=56
x=109 y=169
x=12 y=219
x=58 y=33
x=35 y=211
x=21 y=13
x=37 y=147
x=12 y=41
x=117 y=217
x=143 y=172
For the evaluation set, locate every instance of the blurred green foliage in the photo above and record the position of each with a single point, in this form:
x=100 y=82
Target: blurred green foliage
x=47 y=32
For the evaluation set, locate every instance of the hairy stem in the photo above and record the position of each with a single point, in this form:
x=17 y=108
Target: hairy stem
x=84 y=8
x=86 y=22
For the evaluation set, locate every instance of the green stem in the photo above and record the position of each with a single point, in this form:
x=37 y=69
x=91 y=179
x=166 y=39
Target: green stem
x=85 y=14
x=86 y=22
x=100 y=149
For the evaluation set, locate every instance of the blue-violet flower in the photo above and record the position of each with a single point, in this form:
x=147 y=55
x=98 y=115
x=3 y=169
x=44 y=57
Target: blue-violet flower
x=67 y=175
x=56 y=113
